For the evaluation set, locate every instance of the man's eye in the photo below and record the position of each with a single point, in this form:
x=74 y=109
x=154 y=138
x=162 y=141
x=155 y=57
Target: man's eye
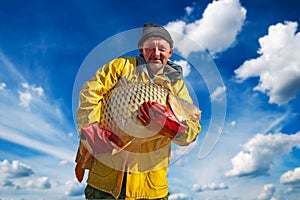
x=151 y=49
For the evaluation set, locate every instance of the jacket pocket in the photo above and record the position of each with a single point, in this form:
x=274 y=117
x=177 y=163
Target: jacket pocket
x=158 y=179
x=101 y=170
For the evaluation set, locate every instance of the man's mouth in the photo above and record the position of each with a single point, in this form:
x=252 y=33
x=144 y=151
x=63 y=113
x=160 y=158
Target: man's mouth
x=153 y=60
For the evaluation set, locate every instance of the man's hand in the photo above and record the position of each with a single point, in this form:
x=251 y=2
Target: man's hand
x=99 y=139
x=155 y=114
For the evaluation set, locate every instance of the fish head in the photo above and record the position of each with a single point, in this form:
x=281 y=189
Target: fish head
x=182 y=109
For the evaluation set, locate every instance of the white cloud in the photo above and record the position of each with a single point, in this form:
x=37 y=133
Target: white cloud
x=278 y=66
x=216 y=31
x=218 y=94
x=74 y=188
x=30 y=92
x=25 y=85
x=209 y=187
x=5 y=182
x=2 y=86
x=14 y=169
x=186 y=68
x=233 y=123
x=38 y=183
x=38 y=90
x=179 y=196
x=291 y=177
x=25 y=98
x=259 y=152
x=267 y=192
x=71 y=134
x=188 y=10
x=21 y=176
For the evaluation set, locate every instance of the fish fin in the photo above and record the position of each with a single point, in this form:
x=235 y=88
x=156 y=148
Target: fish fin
x=175 y=107
x=123 y=122
x=119 y=149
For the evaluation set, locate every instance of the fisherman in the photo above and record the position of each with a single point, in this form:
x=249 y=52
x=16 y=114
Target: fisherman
x=105 y=181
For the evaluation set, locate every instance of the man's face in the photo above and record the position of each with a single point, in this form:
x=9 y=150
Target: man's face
x=156 y=52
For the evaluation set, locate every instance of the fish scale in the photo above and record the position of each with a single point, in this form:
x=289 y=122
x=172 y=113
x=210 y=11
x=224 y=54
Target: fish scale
x=121 y=106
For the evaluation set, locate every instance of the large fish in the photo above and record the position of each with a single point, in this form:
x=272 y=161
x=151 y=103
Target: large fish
x=119 y=115
x=121 y=106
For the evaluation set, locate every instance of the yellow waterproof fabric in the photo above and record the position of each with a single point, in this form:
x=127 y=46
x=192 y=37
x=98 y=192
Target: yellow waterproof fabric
x=140 y=183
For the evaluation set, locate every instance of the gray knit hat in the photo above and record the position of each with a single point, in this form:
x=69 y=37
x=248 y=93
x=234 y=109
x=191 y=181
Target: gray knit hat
x=155 y=30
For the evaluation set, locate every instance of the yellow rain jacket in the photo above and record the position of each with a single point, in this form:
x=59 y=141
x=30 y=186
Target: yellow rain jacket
x=151 y=183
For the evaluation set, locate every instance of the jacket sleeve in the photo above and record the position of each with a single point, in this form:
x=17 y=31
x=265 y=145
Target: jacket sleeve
x=180 y=89
x=90 y=102
x=92 y=92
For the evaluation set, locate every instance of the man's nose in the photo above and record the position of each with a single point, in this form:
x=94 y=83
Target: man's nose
x=156 y=51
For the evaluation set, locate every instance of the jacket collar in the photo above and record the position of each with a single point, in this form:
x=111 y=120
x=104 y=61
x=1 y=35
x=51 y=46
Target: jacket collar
x=172 y=71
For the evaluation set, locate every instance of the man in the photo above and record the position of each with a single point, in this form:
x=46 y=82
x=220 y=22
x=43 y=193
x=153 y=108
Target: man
x=107 y=182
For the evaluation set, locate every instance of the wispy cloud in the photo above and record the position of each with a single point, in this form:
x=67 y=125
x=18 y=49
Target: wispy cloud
x=11 y=72
x=31 y=118
x=278 y=121
x=218 y=94
x=278 y=66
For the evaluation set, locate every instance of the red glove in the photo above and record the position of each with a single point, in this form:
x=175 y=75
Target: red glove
x=82 y=158
x=162 y=117
x=99 y=139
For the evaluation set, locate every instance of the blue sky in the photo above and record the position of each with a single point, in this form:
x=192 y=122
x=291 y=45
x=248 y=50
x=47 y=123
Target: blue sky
x=247 y=87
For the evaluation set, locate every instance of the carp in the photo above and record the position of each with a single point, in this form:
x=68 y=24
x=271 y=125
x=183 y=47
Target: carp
x=121 y=106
